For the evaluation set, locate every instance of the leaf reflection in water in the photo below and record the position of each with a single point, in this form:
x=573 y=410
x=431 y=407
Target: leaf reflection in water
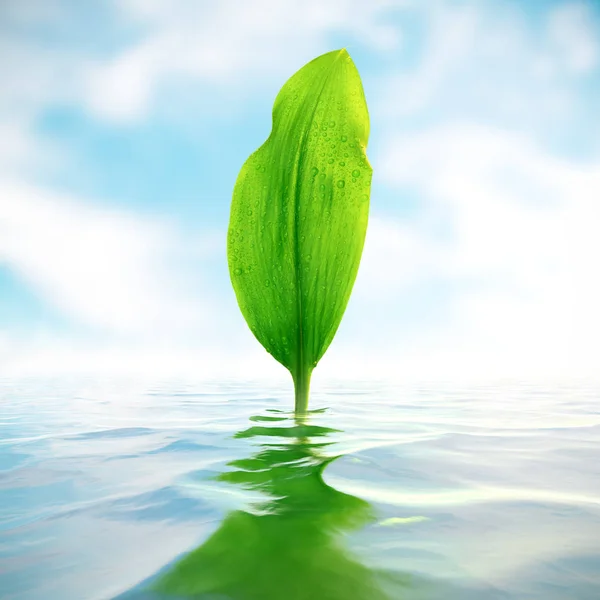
x=292 y=546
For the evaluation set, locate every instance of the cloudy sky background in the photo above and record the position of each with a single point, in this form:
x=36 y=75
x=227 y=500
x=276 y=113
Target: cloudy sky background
x=123 y=125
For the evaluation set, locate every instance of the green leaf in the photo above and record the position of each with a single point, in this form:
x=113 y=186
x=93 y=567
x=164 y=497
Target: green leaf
x=299 y=216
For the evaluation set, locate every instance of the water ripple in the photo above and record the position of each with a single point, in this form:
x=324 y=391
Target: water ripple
x=482 y=493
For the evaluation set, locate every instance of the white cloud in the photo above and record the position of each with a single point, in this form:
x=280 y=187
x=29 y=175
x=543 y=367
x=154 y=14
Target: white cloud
x=521 y=250
x=396 y=256
x=34 y=76
x=451 y=35
x=17 y=146
x=489 y=60
x=106 y=269
x=573 y=33
x=209 y=359
x=224 y=43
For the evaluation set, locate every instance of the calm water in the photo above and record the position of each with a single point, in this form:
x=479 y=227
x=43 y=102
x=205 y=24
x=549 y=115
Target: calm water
x=216 y=492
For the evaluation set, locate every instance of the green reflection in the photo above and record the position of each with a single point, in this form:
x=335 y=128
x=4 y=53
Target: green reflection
x=292 y=545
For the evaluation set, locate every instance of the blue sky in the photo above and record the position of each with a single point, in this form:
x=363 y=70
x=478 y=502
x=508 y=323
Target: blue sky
x=123 y=125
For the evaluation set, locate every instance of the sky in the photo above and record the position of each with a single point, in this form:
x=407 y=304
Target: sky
x=124 y=123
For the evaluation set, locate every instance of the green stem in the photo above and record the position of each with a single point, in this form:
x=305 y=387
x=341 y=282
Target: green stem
x=301 y=389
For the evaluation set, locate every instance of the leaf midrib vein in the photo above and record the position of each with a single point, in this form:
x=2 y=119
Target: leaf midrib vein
x=296 y=251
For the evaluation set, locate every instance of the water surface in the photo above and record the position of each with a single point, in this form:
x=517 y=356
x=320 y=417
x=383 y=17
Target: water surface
x=212 y=491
